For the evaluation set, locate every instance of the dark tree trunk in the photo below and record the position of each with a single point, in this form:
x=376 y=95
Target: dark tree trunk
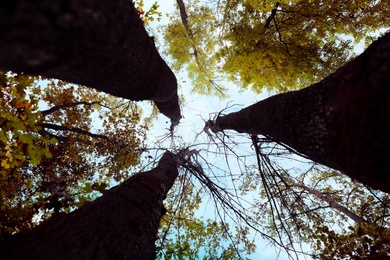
x=342 y=122
x=97 y=43
x=122 y=224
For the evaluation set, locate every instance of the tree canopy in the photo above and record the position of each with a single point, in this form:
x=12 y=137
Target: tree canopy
x=273 y=45
x=55 y=159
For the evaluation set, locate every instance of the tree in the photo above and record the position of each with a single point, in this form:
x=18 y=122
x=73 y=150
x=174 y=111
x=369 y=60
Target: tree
x=121 y=224
x=296 y=207
x=274 y=45
x=340 y=122
x=288 y=45
x=93 y=43
x=58 y=158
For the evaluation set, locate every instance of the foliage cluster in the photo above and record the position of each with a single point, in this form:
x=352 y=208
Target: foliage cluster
x=150 y=15
x=364 y=241
x=56 y=159
x=20 y=119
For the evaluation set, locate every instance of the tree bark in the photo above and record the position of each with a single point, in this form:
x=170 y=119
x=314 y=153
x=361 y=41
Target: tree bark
x=122 y=224
x=342 y=121
x=96 y=43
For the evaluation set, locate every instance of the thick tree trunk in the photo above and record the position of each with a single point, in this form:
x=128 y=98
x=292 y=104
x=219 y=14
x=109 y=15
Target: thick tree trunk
x=342 y=122
x=122 y=224
x=97 y=43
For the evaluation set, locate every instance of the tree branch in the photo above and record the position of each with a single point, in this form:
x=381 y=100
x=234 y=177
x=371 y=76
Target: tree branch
x=271 y=16
x=56 y=108
x=332 y=203
x=72 y=129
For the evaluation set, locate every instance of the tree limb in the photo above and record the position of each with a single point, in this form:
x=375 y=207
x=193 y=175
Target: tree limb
x=72 y=129
x=56 y=108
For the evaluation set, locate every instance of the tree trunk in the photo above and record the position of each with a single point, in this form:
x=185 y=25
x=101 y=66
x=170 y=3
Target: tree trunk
x=96 y=43
x=122 y=224
x=342 y=121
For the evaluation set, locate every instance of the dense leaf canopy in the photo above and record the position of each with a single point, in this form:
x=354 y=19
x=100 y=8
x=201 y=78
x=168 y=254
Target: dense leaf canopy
x=276 y=45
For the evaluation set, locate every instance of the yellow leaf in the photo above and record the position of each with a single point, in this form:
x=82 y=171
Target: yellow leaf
x=5 y=164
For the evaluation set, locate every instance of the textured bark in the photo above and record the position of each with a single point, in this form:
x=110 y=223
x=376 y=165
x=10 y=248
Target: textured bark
x=96 y=43
x=342 y=122
x=122 y=224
